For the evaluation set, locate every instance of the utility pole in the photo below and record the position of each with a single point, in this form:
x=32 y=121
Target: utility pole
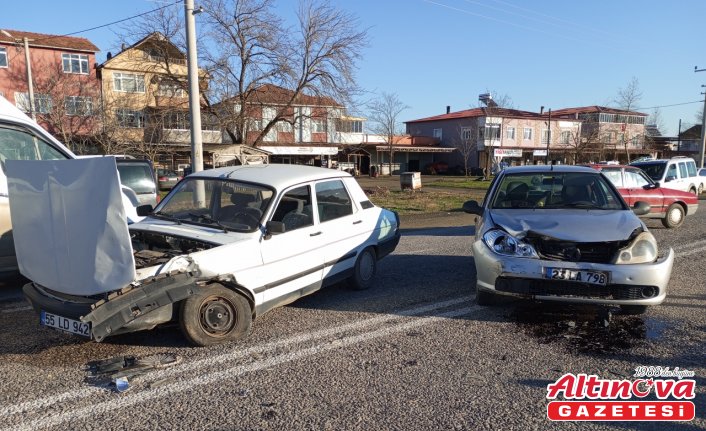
x=549 y=136
x=30 y=85
x=703 y=123
x=194 y=95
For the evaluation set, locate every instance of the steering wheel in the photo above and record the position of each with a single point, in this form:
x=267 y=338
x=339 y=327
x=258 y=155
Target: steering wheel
x=247 y=216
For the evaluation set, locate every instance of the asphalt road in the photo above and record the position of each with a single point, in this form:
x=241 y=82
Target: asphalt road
x=412 y=353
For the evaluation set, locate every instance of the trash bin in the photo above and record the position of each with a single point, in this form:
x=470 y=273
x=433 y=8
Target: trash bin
x=373 y=171
x=411 y=180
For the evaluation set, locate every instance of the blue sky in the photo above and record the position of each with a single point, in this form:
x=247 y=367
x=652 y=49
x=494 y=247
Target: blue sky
x=434 y=53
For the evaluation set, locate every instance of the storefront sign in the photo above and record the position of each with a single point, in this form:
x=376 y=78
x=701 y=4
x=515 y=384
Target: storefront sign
x=539 y=153
x=507 y=152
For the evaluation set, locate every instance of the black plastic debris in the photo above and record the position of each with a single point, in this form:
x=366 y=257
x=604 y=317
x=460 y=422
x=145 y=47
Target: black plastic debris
x=118 y=371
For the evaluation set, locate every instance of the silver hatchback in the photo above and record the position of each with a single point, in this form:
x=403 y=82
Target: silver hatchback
x=564 y=233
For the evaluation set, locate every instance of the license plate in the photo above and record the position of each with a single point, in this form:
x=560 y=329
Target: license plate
x=65 y=324
x=578 y=275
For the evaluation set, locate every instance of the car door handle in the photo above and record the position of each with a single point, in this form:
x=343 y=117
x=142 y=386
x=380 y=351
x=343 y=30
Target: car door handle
x=315 y=233
x=358 y=222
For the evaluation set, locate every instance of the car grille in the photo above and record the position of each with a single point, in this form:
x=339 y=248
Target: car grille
x=593 y=252
x=532 y=287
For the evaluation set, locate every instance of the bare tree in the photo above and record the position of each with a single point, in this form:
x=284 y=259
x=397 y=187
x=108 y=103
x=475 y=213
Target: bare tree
x=384 y=115
x=492 y=105
x=251 y=46
x=464 y=144
x=627 y=98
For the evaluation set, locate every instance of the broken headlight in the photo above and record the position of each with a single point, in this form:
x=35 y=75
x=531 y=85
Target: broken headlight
x=505 y=244
x=643 y=249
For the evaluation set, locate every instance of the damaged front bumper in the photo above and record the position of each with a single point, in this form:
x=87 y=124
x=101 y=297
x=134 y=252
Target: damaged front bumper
x=629 y=284
x=134 y=308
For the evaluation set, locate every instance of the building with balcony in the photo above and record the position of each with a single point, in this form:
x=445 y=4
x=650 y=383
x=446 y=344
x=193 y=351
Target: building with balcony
x=483 y=137
x=65 y=87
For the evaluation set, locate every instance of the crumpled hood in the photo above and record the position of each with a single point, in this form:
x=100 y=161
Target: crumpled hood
x=578 y=225
x=69 y=224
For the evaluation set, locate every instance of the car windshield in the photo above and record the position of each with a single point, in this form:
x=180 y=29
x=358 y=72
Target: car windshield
x=226 y=204
x=653 y=170
x=555 y=190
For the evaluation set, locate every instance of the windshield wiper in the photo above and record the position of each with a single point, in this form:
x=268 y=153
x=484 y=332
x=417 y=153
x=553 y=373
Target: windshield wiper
x=159 y=214
x=210 y=219
x=583 y=205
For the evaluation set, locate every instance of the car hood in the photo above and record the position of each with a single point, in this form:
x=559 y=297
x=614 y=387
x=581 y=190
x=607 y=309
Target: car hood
x=578 y=225
x=69 y=224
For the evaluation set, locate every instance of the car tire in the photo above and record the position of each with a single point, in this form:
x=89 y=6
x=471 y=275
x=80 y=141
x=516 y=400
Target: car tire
x=484 y=297
x=674 y=216
x=694 y=191
x=364 y=270
x=633 y=310
x=215 y=315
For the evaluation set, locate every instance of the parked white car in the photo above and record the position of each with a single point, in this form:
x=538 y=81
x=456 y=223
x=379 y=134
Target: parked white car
x=21 y=138
x=224 y=247
x=677 y=173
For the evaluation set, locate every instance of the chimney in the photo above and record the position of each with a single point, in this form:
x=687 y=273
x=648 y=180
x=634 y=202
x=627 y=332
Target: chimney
x=448 y=109
x=122 y=47
x=541 y=110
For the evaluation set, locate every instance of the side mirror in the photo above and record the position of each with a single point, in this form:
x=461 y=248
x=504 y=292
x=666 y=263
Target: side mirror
x=144 y=210
x=472 y=207
x=273 y=227
x=641 y=208
x=657 y=184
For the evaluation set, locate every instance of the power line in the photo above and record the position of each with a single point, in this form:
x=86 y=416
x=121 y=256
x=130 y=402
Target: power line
x=109 y=24
x=667 y=106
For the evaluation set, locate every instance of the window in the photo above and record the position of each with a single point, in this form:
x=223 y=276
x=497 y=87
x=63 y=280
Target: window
x=615 y=176
x=128 y=82
x=20 y=145
x=682 y=170
x=492 y=131
x=177 y=121
x=283 y=126
x=170 y=89
x=75 y=63
x=635 y=179
x=78 y=105
x=332 y=200
x=3 y=57
x=545 y=136
x=466 y=133
x=318 y=125
x=42 y=102
x=510 y=133
x=437 y=133
x=691 y=167
x=349 y=126
x=671 y=172
x=130 y=118
x=609 y=137
x=527 y=133
x=565 y=137
x=636 y=141
x=294 y=209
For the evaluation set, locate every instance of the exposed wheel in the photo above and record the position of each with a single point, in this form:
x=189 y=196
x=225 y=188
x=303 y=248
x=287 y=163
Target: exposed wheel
x=215 y=315
x=674 y=217
x=633 y=309
x=364 y=270
x=483 y=297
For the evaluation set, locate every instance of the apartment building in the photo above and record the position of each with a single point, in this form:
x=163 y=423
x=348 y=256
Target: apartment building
x=512 y=136
x=66 y=90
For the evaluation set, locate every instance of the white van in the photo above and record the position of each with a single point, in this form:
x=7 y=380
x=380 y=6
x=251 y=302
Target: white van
x=21 y=138
x=678 y=173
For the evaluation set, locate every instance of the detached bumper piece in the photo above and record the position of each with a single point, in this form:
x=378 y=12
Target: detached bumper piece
x=131 y=303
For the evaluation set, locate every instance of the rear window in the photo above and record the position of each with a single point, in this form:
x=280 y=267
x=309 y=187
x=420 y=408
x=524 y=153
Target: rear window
x=691 y=166
x=137 y=176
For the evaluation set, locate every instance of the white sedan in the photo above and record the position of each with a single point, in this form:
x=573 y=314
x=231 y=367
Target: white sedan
x=224 y=247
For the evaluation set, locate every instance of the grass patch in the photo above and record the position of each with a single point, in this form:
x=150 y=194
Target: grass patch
x=416 y=202
x=462 y=183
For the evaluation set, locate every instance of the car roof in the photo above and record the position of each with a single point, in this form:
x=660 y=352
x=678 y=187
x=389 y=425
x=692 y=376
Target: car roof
x=601 y=166
x=533 y=169
x=276 y=175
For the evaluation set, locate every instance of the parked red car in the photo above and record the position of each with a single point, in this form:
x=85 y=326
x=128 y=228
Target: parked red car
x=634 y=185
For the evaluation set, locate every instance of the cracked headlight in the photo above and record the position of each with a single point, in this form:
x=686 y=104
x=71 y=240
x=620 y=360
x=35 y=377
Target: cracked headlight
x=507 y=245
x=643 y=249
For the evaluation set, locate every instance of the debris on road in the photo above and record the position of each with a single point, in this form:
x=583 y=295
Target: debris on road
x=117 y=371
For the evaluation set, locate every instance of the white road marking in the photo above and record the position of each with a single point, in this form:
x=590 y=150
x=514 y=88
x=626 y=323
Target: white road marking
x=112 y=405
x=16 y=309
x=42 y=403
x=690 y=252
